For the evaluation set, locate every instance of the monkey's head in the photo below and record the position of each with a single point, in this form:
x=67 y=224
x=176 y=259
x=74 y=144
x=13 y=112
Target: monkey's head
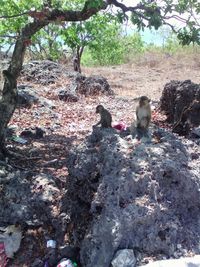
x=99 y=109
x=144 y=100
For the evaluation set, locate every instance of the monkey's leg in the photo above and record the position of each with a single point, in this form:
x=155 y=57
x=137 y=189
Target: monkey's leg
x=139 y=133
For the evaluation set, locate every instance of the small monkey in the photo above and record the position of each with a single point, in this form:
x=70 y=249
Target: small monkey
x=106 y=118
x=9 y=78
x=143 y=114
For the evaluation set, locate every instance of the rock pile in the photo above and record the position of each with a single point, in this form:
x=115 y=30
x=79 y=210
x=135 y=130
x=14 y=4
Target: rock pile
x=43 y=72
x=47 y=72
x=142 y=196
x=180 y=101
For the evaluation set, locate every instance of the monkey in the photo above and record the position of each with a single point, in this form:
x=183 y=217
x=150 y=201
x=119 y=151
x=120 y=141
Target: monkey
x=9 y=78
x=143 y=114
x=106 y=118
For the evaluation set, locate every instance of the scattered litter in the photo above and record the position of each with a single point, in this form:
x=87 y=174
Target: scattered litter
x=51 y=243
x=121 y=126
x=66 y=263
x=11 y=237
x=19 y=140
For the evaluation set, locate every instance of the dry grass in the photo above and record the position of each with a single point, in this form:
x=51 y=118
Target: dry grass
x=149 y=73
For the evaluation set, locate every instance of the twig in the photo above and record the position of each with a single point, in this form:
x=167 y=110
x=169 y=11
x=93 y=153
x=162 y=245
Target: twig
x=33 y=158
x=18 y=167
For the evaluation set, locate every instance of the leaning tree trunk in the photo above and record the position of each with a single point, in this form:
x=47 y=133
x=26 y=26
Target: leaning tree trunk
x=7 y=107
x=8 y=99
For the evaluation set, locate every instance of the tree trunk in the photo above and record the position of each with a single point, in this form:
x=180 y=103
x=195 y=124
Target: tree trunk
x=77 y=59
x=7 y=107
x=77 y=63
x=8 y=99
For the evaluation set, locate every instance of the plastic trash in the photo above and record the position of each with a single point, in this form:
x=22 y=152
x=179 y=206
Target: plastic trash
x=51 y=243
x=121 y=126
x=19 y=140
x=66 y=263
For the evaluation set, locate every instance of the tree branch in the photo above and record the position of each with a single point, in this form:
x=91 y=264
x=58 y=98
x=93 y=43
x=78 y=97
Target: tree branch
x=70 y=15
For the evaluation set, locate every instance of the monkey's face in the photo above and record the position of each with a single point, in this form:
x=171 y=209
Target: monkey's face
x=99 y=108
x=144 y=100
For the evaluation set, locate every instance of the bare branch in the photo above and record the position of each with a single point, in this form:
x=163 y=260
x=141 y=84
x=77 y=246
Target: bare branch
x=176 y=17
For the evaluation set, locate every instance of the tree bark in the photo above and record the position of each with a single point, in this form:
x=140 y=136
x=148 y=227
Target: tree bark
x=8 y=99
x=7 y=107
x=77 y=59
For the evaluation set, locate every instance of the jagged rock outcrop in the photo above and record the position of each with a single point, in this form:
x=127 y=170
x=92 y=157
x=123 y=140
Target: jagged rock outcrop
x=95 y=85
x=180 y=101
x=48 y=72
x=26 y=96
x=43 y=71
x=125 y=194
x=82 y=85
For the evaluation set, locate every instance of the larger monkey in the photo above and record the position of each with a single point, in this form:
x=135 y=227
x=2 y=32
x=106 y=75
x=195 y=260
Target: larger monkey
x=106 y=118
x=143 y=114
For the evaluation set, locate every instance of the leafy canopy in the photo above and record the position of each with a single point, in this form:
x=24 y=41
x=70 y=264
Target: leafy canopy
x=15 y=14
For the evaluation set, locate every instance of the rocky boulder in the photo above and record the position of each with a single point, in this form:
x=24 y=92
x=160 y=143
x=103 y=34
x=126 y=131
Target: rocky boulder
x=82 y=85
x=47 y=72
x=26 y=96
x=43 y=72
x=67 y=96
x=180 y=101
x=95 y=85
x=124 y=194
